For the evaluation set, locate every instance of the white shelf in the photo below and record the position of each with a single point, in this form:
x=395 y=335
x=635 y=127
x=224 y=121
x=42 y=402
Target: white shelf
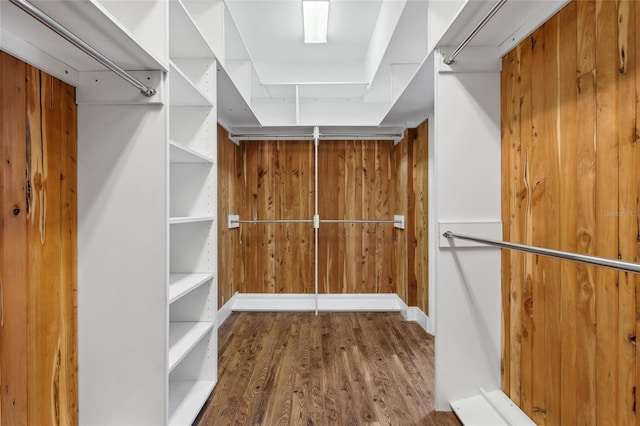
x=192 y=175
x=182 y=154
x=185 y=38
x=186 y=399
x=182 y=90
x=190 y=219
x=183 y=336
x=182 y=284
x=492 y=408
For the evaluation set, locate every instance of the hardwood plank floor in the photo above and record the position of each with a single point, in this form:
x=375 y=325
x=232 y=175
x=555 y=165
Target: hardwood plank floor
x=334 y=368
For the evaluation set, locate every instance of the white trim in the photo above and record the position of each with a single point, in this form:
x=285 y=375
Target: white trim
x=413 y=313
x=262 y=302
x=536 y=19
x=226 y=310
x=326 y=302
x=38 y=58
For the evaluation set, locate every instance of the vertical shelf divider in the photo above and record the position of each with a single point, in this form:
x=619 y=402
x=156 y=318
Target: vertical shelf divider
x=192 y=147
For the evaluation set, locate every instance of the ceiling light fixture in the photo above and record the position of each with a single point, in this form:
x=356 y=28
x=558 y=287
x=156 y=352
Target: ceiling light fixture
x=316 y=20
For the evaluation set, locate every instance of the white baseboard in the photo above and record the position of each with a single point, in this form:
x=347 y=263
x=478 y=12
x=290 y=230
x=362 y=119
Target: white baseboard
x=413 y=313
x=262 y=302
x=307 y=302
x=225 y=311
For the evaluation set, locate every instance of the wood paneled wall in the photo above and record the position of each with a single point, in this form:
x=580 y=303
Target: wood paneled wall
x=570 y=162
x=265 y=180
x=357 y=179
x=356 y=182
x=410 y=173
x=38 y=345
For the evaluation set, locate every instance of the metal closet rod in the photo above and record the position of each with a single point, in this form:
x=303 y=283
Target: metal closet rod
x=330 y=137
x=311 y=221
x=80 y=44
x=582 y=258
x=452 y=57
x=273 y=221
x=359 y=221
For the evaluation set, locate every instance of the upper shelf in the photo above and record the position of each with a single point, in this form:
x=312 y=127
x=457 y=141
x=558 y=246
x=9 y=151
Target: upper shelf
x=88 y=20
x=182 y=154
x=185 y=38
x=190 y=219
x=183 y=91
x=182 y=284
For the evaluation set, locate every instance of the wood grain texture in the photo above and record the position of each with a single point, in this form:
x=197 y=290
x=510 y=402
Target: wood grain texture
x=636 y=154
x=535 y=183
x=421 y=215
x=606 y=224
x=567 y=155
x=506 y=196
x=514 y=292
x=523 y=226
x=334 y=368
x=585 y=214
x=627 y=202
x=357 y=180
x=39 y=154
x=13 y=275
x=69 y=255
x=572 y=183
x=401 y=161
x=550 y=208
x=356 y=258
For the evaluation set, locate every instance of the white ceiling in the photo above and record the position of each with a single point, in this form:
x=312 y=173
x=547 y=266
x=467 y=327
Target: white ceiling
x=374 y=48
x=273 y=30
x=376 y=70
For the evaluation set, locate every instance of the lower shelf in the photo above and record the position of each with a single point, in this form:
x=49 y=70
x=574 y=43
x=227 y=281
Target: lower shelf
x=181 y=284
x=490 y=409
x=183 y=336
x=186 y=399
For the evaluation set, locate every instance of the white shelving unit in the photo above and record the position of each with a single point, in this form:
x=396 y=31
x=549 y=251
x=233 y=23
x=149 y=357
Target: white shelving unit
x=192 y=289
x=147 y=338
x=182 y=284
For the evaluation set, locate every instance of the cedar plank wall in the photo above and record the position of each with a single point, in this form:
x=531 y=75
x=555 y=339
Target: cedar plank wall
x=38 y=338
x=357 y=179
x=570 y=181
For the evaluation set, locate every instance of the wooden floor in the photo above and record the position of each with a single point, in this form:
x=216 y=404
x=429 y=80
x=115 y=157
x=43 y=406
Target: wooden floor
x=330 y=369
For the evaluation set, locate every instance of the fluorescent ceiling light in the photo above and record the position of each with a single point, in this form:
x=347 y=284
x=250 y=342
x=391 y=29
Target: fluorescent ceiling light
x=316 y=20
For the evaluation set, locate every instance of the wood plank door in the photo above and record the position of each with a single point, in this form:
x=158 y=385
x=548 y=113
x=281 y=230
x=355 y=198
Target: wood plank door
x=38 y=222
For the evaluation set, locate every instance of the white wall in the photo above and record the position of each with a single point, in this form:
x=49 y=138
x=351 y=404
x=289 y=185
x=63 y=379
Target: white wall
x=466 y=182
x=122 y=266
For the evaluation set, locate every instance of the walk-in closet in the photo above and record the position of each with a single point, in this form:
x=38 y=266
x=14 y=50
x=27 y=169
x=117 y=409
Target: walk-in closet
x=319 y=212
